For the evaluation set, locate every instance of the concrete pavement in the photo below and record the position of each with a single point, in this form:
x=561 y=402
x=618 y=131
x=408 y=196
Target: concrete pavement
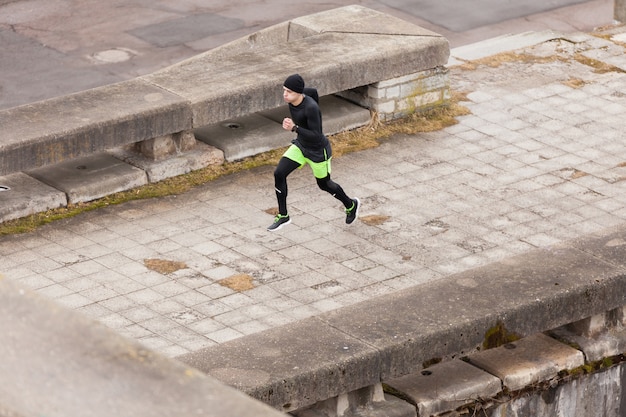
x=56 y=47
x=539 y=160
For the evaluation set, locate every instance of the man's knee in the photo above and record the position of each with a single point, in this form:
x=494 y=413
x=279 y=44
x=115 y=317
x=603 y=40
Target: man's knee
x=326 y=184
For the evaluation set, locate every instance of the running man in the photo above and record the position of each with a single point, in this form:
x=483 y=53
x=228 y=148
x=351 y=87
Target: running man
x=310 y=147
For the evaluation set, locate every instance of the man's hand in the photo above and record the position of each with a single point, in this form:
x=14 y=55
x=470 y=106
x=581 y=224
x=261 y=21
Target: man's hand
x=288 y=124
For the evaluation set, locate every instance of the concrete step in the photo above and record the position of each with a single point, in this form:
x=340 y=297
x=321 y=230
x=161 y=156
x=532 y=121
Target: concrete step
x=88 y=178
x=22 y=195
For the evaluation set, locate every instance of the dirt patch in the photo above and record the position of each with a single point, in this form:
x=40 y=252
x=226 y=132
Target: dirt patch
x=164 y=266
x=239 y=282
x=374 y=219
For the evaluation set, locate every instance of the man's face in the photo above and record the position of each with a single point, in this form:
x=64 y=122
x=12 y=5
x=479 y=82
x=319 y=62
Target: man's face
x=290 y=96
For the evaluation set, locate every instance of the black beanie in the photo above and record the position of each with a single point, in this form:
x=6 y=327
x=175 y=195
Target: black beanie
x=295 y=83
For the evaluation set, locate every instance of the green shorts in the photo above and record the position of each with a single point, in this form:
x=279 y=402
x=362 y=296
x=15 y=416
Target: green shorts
x=320 y=169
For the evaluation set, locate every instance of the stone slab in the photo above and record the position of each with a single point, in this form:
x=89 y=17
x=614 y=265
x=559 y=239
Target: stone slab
x=91 y=177
x=293 y=366
x=52 y=131
x=201 y=156
x=533 y=359
x=600 y=346
x=245 y=136
x=391 y=407
x=445 y=387
x=24 y=195
x=338 y=115
x=59 y=363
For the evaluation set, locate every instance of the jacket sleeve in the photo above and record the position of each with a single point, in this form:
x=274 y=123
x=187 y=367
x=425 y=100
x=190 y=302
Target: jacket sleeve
x=312 y=132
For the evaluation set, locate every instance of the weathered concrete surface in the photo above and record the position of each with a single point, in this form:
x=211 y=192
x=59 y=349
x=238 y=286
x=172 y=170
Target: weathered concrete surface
x=445 y=387
x=25 y=195
x=41 y=58
x=219 y=85
x=619 y=12
x=201 y=156
x=59 y=129
x=597 y=394
x=320 y=47
x=58 y=363
x=530 y=360
x=287 y=369
x=91 y=177
x=244 y=136
x=609 y=343
x=529 y=293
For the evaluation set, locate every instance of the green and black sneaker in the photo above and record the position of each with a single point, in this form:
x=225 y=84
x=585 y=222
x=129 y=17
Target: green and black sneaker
x=279 y=221
x=353 y=212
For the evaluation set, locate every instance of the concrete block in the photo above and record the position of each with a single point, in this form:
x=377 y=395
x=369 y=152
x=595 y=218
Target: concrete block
x=445 y=387
x=91 y=177
x=239 y=84
x=80 y=124
x=599 y=346
x=198 y=157
x=529 y=360
x=245 y=136
x=590 y=326
x=22 y=195
x=391 y=407
x=293 y=366
x=60 y=363
x=338 y=114
x=158 y=148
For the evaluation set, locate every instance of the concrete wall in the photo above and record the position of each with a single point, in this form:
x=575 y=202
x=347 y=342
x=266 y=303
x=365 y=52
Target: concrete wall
x=597 y=394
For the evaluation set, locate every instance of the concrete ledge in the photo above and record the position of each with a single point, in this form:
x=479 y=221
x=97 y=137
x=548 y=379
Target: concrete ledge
x=60 y=363
x=527 y=361
x=445 y=387
x=67 y=127
x=245 y=82
x=200 y=156
x=527 y=294
x=236 y=80
x=91 y=177
x=24 y=195
x=598 y=347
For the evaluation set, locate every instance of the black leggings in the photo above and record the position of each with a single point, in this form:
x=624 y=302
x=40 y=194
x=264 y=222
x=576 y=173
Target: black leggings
x=285 y=167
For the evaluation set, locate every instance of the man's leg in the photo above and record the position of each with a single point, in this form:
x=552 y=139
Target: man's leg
x=285 y=167
x=335 y=190
x=352 y=205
